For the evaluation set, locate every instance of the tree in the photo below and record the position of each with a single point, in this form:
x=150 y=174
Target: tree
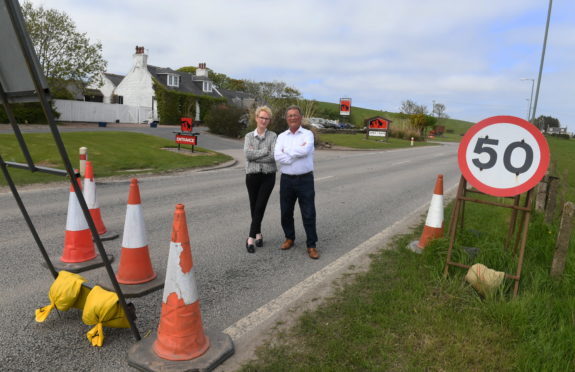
x=66 y=55
x=409 y=107
x=546 y=122
x=439 y=111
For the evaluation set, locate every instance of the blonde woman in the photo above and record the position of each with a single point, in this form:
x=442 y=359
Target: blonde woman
x=260 y=173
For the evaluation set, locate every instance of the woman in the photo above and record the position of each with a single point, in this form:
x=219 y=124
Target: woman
x=260 y=173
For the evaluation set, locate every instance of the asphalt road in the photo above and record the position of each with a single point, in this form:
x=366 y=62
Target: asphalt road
x=358 y=194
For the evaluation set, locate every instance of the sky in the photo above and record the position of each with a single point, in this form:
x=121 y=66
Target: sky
x=469 y=55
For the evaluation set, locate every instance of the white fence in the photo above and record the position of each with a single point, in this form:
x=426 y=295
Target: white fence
x=95 y=112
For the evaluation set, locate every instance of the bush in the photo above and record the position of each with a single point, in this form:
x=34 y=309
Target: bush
x=225 y=120
x=27 y=113
x=173 y=105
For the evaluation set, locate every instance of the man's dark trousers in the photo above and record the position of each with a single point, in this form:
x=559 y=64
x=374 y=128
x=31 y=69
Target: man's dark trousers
x=300 y=188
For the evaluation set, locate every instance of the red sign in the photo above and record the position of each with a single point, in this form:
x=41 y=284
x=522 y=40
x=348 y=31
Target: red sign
x=186 y=124
x=379 y=123
x=503 y=156
x=345 y=106
x=186 y=139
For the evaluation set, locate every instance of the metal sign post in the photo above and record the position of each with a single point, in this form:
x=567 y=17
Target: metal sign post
x=502 y=156
x=22 y=80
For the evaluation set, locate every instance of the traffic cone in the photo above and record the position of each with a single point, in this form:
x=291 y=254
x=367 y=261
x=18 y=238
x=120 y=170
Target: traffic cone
x=135 y=266
x=180 y=333
x=93 y=206
x=434 y=222
x=181 y=343
x=78 y=245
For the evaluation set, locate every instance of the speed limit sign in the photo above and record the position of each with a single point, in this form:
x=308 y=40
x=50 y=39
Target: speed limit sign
x=503 y=156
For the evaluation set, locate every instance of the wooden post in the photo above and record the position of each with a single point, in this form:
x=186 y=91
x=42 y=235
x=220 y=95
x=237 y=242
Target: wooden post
x=558 y=265
x=541 y=197
x=551 y=199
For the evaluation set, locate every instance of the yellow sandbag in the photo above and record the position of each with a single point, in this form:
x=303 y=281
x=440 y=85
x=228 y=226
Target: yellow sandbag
x=63 y=294
x=484 y=279
x=102 y=309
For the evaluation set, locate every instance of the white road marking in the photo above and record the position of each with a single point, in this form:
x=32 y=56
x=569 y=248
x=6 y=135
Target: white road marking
x=323 y=178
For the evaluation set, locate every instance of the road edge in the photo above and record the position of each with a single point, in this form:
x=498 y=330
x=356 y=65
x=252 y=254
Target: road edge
x=261 y=325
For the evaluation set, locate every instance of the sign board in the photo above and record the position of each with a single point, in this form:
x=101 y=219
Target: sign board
x=378 y=133
x=378 y=123
x=186 y=124
x=345 y=106
x=186 y=139
x=503 y=156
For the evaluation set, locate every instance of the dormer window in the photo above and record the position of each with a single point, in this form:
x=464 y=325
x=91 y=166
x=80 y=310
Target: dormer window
x=173 y=80
x=207 y=86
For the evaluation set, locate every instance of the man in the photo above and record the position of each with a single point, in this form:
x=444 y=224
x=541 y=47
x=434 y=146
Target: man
x=294 y=153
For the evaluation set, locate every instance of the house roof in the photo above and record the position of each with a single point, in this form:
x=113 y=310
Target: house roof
x=188 y=83
x=115 y=79
x=231 y=94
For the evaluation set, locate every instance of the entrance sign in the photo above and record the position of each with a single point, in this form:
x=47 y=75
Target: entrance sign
x=503 y=156
x=186 y=139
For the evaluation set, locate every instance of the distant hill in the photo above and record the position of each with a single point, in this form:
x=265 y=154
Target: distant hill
x=359 y=114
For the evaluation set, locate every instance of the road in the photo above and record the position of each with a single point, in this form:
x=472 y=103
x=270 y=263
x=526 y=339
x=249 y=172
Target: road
x=358 y=194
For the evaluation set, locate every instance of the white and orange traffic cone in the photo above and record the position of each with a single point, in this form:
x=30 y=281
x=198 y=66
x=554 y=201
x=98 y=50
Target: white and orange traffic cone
x=79 y=253
x=135 y=265
x=93 y=206
x=78 y=245
x=180 y=338
x=434 y=222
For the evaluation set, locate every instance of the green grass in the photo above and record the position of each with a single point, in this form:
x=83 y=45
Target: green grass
x=403 y=315
x=563 y=164
x=358 y=141
x=112 y=153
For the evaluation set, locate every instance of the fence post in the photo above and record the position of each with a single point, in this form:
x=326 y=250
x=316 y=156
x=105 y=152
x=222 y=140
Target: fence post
x=562 y=245
x=541 y=196
x=551 y=199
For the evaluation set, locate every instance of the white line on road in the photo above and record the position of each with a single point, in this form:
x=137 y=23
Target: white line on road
x=401 y=162
x=323 y=178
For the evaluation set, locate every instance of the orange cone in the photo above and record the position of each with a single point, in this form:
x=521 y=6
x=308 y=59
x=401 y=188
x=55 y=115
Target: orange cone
x=78 y=245
x=91 y=200
x=135 y=266
x=180 y=333
x=434 y=222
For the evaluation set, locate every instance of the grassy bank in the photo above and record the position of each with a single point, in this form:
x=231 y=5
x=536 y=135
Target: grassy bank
x=112 y=153
x=403 y=315
x=358 y=141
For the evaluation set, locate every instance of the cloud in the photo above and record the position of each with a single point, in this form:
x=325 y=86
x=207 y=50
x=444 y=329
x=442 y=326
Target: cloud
x=466 y=54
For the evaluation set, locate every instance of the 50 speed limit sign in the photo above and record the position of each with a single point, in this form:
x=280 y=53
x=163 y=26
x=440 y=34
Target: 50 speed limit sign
x=503 y=156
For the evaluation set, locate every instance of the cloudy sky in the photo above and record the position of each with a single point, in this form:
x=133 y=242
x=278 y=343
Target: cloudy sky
x=469 y=55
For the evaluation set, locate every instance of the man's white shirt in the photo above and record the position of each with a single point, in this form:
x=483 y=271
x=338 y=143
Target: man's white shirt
x=294 y=151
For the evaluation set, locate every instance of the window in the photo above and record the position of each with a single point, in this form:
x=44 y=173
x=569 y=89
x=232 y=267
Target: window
x=120 y=100
x=173 y=80
x=207 y=86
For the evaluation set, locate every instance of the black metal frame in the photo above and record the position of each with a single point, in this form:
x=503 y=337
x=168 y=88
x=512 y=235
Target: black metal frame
x=41 y=94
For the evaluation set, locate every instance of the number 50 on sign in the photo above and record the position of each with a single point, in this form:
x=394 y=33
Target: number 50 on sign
x=503 y=156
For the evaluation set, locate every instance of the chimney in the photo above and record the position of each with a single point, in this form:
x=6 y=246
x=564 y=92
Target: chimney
x=202 y=70
x=140 y=57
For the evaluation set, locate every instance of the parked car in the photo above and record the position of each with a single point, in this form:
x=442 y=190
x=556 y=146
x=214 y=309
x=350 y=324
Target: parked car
x=317 y=125
x=344 y=126
x=330 y=124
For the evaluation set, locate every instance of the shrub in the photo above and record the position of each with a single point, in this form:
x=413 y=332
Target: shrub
x=27 y=113
x=173 y=105
x=225 y=120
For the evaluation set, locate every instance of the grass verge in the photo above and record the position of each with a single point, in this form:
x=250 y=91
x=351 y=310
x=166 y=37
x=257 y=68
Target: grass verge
x=113 y=153
x=358 y=141
x=404 y=315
